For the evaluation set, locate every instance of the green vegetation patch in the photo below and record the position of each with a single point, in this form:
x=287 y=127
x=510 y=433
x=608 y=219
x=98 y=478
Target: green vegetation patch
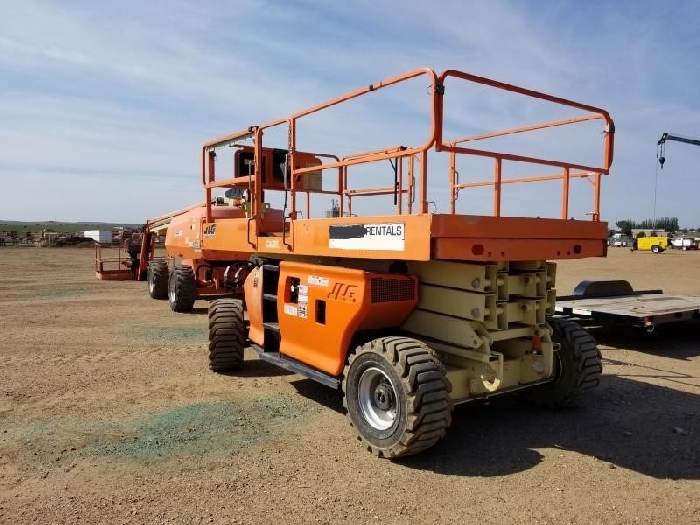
x=58 y=292
x=208 y=428
x=169 y=334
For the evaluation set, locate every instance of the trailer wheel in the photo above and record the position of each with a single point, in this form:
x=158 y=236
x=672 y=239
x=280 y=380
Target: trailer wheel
x=655 y=249
x=182 y=289
x=577 y=365
x=227 y=335
x=158 y=279
x=397 y=396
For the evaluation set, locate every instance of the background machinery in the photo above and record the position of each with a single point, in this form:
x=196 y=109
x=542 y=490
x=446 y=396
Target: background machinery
x=134 y=252
x=661 y=155
x=408 y=313
x=651 y=244
x=178 y=275
x=191 y=276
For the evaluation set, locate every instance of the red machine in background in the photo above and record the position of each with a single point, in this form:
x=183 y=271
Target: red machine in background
x=201 y=272
x=181 y=274
x=188 y=271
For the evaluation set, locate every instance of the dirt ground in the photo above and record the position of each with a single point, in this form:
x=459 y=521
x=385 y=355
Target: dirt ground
x=109 y=414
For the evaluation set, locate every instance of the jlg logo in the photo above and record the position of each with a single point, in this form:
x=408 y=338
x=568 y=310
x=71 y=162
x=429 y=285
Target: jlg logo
x=343 y=292
x=210 y=230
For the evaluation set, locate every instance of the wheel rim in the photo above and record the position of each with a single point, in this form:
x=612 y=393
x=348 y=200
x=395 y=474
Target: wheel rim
x=171 y=291
x=377 y=398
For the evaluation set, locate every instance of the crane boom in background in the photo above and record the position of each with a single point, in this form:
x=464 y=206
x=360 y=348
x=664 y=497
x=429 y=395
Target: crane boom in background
x=668 y=136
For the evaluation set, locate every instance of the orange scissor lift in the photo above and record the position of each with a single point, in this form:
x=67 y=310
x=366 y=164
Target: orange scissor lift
x=408 y=313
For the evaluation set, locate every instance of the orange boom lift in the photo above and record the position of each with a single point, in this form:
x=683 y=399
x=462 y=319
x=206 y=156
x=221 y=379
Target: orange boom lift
x=408 y=313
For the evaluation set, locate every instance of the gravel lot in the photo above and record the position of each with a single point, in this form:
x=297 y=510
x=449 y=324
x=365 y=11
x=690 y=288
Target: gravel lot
x=109 y=414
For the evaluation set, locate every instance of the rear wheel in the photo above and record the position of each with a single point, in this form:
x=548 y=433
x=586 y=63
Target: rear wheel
x=158 y=279
x=577 y=367
x=397 y=396
x=655 y=249
x=227 y=335
x=182 y=289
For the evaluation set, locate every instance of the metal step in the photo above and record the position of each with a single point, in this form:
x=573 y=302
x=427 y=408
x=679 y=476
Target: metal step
x=270 y=297
x=273 y=327
x=271 y=268
x=298 y=367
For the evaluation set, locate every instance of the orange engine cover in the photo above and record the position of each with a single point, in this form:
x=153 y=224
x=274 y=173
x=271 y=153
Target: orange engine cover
x=320 y=308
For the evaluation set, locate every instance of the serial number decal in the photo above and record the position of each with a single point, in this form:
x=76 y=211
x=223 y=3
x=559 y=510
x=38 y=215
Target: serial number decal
x=318 y=281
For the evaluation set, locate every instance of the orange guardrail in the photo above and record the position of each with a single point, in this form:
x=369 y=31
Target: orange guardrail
x=411 y=162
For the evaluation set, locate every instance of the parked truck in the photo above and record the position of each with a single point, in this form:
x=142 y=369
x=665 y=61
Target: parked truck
x=684 y=243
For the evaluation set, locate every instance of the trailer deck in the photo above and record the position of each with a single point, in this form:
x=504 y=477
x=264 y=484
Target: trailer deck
x=616 y=301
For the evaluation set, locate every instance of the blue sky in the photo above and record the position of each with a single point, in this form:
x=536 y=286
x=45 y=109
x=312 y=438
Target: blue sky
x=104 y=105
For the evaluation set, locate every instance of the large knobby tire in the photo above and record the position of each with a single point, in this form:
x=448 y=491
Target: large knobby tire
x=577 y=367
x=227 y=335
x=158 y=279
x=182 y=289
x=397 y=396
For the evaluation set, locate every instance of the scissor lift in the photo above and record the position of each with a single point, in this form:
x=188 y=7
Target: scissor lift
x=409 y=312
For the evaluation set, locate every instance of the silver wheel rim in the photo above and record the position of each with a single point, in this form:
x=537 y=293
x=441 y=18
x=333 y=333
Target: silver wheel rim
x=377 y=398
x=171 y=293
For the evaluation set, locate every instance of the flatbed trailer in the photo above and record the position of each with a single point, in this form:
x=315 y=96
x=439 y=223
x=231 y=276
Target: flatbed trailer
x=616 y=302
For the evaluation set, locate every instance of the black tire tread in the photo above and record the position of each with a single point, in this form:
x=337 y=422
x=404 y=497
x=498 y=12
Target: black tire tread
x=158 y=274
x=427 y=390
x=584 y=375
x=227 y=335
x=185 y=289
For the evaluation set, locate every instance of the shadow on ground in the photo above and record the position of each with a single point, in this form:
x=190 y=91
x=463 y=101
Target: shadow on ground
x=629 y=424
x=257 y=368
x=650 y=429
x=673 y=340
x=328 y=397
x=626 y=422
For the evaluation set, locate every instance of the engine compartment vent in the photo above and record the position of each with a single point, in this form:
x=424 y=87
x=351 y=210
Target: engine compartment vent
x=386 y=290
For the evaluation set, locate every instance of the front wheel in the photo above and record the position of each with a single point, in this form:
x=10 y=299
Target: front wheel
x=227 y=335
x=158 y=279
x=182 y=289
x=397 y=396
